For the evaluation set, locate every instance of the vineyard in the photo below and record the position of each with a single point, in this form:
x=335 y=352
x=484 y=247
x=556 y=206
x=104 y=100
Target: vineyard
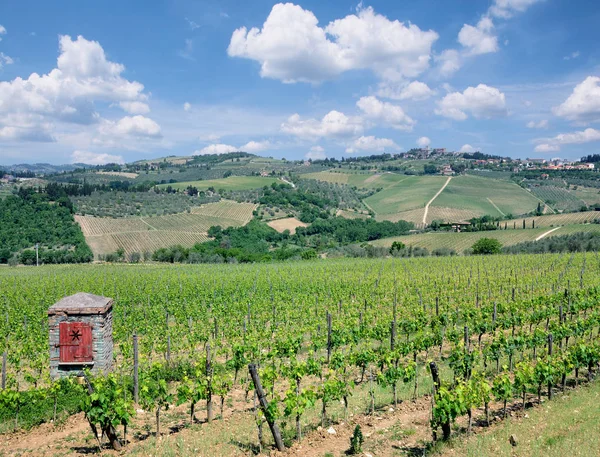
x=461 y=241
x=233 y=183
x=553 y=220
x=558 y=198
x=146 y=234
x=332 y=340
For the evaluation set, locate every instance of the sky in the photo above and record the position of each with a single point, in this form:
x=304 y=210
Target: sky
x=119 y=81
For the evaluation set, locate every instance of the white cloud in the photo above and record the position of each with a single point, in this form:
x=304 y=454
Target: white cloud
x=543 y=124
x=135 y=107
x=92 y=158
x=467 y=148
x=506 y=8
x=333 y=125
x=187 y=107
x=385 y=113
x=479 y=39
x=315 y=153
x=2 y=32
x=210 y=137
x=573 y=55
x=188 y=51
x=545 y=147
x=448 y=62
x=481 y=102
x=553 y=144
x=220 y=148
x=68 y=94
x=217 y=149
x=423 y=142
x=292 y=47
x=193 y=25
x=135 y=126
x=255 y=146
x=584 y=103
x=416 y=90
x=370 y=143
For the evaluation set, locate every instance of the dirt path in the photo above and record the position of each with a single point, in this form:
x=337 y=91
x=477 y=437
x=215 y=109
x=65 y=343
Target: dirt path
x=153 y=228
x=434 y=197
x=545 y=234
x=494 y=205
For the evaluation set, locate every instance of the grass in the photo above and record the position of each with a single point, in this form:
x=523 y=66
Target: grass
x=566 y=426
x=486 y=196
x=232 y=183
x=461 y=241
x=360 y=179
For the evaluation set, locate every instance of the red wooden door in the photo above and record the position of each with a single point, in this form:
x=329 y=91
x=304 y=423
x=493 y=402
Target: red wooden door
x=75 y=342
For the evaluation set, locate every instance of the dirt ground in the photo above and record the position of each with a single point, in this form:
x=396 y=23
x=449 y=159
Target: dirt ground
x=289 y=223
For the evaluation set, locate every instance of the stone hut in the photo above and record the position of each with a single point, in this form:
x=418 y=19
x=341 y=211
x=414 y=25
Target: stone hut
x=80 y=328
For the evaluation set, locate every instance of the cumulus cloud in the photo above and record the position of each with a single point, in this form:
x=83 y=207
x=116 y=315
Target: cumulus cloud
x=2 y=30
x=543 y=124
x=44 y=105
x=545 y=147
x=479 y=39
x=448 y=62
x=423 y=142
x=507 y=8
x=370 y=143
x=135 y=126
x=220 y=148
x=580 y=137
x=333 y=125
x=216 y=149
x=416 y=90
x=481 y=102
x=315 y=153
x=584 y=103
x=92 y=158
x=467 y=148
x=255 y=146
x=135 y=107
x=292 y=47
x=187 y=106
x=385 y=113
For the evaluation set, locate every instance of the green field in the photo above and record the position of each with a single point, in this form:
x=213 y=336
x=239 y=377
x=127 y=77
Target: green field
x=558 y=198
x=410 y=193
x=486 y=196
x=360 y=179
x=229 y=184
x=276 y=315
x=461 y=241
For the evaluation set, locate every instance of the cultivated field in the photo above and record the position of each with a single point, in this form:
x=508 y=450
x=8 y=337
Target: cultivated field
x=146 y=234
x=231 y=183
x=411 y=193
x=364 y=180
x=553 y=220
x=461 y=241
x=559 y=198
x=485 y=322
x=486 y=196
x=288 y=223
x=121 y=174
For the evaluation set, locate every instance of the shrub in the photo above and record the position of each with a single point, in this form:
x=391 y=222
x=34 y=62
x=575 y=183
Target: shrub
x=485 y=246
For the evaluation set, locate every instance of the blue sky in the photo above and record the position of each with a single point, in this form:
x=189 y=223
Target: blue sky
x=120 y=81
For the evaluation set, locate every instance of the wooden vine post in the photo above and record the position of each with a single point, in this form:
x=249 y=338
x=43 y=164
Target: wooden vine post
x=328 y=337
x=264 y=405
x=435 y=374
x=550 y=338
x=4 y=356
x=136 y=364
x=209 y=403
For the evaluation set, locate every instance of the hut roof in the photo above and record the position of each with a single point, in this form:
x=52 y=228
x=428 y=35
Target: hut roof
x=81 y=303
